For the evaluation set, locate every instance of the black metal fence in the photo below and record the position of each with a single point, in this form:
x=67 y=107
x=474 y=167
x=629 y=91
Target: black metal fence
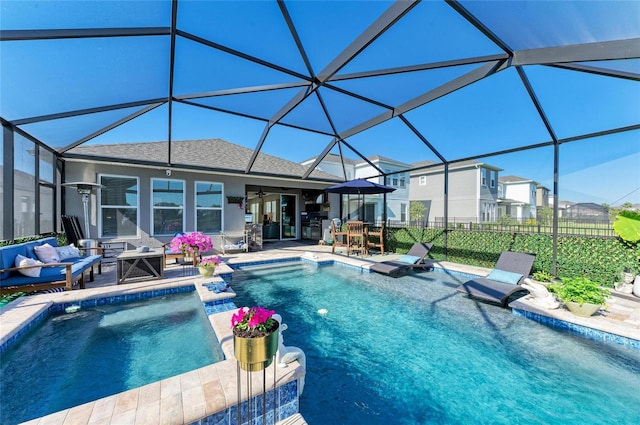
x=566 y=227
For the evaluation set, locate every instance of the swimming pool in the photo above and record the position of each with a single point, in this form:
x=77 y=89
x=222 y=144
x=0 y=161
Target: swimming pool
x=59 y=364
x=413 y=351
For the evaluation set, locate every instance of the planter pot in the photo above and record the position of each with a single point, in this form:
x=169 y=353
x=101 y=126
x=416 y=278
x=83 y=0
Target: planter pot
x=206 y=271
x=255 y=354
x=636 y=286
x=584 y=310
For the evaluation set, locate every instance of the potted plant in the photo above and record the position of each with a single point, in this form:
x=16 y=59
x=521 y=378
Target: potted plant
x=582 y=296
x=255 y=337
x=207 y=265
x=191 y=245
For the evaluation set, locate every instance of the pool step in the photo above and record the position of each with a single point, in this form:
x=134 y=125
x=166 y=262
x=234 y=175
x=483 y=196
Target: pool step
x=296 y=419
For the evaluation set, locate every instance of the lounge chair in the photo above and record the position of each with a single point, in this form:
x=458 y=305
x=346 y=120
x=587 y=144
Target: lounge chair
x=414 y=259
x=504 y=281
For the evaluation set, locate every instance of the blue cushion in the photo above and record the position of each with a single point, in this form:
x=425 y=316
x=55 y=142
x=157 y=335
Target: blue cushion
x=505 y=276
x=409 y=259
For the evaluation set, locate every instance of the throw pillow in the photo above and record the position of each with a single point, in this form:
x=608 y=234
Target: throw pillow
x=410 y=259
x=505 y=276
x=68 y=251
x=22 y=261
x=46 y=253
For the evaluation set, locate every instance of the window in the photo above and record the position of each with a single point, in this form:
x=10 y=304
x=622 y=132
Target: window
x=493 y=178
x=422 y=181
x=209 y=207
x=167 y=205
x=403 y=212
x=47 y=190
x=24 y=187
x=483 y=176
x=402 y=183
x=119 y=206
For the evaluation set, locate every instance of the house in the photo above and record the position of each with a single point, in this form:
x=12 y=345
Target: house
x=145 y=202
x=587 y=212
x=472 y=191
x=517 y=197
x=370 y=208
x=542 y=196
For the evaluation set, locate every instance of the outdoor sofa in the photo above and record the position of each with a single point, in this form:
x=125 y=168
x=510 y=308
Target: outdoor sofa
x=32 y=276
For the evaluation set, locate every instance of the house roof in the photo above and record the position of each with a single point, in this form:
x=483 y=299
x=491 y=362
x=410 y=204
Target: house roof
x=514 y=179
x=227 y=157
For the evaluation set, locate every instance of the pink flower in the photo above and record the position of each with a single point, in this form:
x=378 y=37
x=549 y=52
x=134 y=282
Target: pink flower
x=239 y=316
x=253 y=318
x=191 y=242
x=209 y=261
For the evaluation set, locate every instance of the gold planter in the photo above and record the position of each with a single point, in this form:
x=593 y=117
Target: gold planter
x=255 y=354
x=206 y=271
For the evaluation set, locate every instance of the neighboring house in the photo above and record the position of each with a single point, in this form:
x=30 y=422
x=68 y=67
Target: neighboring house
x=542 y=196
x=146 y=202
x=517 y=197
x=472 y=194
x=587 y=212
x=370 y=207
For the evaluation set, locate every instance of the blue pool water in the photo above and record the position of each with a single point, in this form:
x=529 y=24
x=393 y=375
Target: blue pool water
x=74 y=358
x=414 y=351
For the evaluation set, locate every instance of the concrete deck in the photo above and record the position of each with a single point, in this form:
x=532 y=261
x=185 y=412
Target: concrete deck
x=188 y=397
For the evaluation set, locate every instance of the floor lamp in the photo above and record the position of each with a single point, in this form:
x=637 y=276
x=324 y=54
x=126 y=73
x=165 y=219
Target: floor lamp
x=84 y=189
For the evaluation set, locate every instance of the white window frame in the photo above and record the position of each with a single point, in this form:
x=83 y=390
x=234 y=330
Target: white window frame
x=196 y=208
x=153 y=208
x=422 y=181
x=493 y=175
x=101 y=207
x=483 y=176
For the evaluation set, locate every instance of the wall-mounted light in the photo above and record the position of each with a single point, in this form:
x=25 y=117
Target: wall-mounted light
x=168 y=171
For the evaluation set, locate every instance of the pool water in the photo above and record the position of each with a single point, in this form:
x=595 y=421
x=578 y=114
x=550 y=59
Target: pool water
x=412 y=350
x=71 y=359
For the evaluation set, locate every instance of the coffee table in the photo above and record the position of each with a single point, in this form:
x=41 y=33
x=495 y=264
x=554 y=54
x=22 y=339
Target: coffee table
x=136 y=266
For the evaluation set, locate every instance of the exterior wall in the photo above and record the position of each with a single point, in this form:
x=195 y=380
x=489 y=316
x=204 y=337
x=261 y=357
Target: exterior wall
x=542 y=197
x=463 y=193
x=233 y=185
x=524 y=192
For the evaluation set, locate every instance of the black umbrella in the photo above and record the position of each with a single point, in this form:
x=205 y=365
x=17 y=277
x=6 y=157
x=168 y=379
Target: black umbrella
x=362 y=187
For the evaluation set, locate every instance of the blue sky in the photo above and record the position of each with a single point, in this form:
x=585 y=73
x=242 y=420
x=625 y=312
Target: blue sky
x=491 y=115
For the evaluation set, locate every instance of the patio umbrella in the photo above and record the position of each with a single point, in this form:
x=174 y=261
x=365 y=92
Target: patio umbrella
x=362 y=187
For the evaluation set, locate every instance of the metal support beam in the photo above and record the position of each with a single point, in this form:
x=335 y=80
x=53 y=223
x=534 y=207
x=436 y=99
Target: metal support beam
x=110 y=127
x=600 y=51
x=7 y=182
x=53 y=34
x=86 y=111
x=320 y=157
x=172 y=62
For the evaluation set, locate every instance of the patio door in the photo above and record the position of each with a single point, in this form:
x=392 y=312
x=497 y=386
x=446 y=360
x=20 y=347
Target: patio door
x=289 y=216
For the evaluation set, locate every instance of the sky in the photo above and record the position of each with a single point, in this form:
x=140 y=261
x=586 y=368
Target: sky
x=491 y=115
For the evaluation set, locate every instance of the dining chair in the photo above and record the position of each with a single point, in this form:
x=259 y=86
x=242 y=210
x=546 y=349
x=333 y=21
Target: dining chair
x=375 y=239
